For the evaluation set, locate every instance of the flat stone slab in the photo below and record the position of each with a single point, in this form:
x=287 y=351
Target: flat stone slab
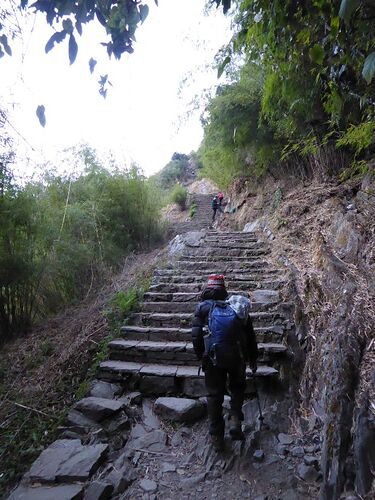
x=99 y=408
x=265 y=296
x=67 y=460
x=121 y=366
x=159 y=370
x=61 y=492
x=189 y=371
x=155 y=440
x=179 y=409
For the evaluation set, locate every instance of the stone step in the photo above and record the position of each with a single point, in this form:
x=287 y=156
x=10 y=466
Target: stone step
x=238 y=275
x=225 y=258
x=228 y=252
x=181 y=296
x=241 y=245
x=184 y=319
x=236 y=267
x=180 y=353
x=169 y=307
x=161 y=370
x=232 y=286
x=267 y=334
x=225 y=234
x=169 y=379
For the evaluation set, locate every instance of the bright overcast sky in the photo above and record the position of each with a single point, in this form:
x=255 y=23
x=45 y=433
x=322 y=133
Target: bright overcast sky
x=143 y=118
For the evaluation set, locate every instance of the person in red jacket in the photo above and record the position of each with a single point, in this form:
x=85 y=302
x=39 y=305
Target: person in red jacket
x=216 y=376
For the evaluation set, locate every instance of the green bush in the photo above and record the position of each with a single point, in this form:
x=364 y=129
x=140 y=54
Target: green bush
x=60 y=238
x=193 y=209
x=179 y=196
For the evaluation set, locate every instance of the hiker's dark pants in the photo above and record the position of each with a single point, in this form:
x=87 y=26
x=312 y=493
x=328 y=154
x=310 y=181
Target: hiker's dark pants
x=214 y=214
x=216 y=382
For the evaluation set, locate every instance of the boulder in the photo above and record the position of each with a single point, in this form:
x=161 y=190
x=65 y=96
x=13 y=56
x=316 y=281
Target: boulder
x=67 y=460
x=179 y=409
x=256 y=225
x=99 y=408
x=190 y=239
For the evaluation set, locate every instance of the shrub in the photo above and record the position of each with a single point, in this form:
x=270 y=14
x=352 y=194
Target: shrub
x=179 y=195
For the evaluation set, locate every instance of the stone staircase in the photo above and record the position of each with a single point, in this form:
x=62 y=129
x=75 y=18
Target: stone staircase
x=155 y=353
x=202 y=216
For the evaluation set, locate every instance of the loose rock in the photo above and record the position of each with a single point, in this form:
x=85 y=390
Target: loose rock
x=189 y=482
x=258 y=455
x=98 y=490
x=285 y=438
x=297 y=451
x=99 y=408
x=307 y=473
x=179 y=409
x=67 y=460
x=106 y=390
x=148 y=485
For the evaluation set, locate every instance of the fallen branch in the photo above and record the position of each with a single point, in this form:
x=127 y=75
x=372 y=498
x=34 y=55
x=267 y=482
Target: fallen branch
x=29 y=408
x=152 y=452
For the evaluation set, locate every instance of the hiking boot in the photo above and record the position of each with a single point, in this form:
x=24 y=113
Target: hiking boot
x=235 y=430
x=217 y=442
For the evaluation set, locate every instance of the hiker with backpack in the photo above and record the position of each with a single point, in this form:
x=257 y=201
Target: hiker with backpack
x=214 y=206
x=223 y=338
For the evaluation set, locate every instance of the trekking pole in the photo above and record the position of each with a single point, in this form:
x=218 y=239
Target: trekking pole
x=260 y=418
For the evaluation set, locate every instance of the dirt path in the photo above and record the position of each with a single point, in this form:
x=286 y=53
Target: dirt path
x=188 y=467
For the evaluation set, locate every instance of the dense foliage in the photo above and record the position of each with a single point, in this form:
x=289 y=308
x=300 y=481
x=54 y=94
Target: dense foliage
x=306 y=86
x=60 y=237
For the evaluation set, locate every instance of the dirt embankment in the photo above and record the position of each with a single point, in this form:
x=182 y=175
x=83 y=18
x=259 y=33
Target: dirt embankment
x=42 y=373
x=324 y=233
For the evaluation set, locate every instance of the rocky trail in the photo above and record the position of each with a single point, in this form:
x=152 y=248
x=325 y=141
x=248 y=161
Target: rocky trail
x=140 y=433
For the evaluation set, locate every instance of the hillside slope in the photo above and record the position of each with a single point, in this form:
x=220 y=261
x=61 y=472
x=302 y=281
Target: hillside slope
x=324 y=234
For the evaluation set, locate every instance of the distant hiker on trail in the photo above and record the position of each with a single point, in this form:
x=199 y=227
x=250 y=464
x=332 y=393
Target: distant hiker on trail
x=214 y=206
x=224 y=349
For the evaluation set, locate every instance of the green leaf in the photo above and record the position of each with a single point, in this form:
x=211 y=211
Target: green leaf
x=316 y=54
x=101 y=18
x=368 y=71
x=4 y=42
x=347 y=7
x=40 y=113
x=55 y=38
x=92 y=64
x=73 y=49
x=221 y=68
x=143 y=12
x=67 y=25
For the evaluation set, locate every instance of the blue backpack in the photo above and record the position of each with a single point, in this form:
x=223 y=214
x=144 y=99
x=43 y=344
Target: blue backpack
x=223 y=342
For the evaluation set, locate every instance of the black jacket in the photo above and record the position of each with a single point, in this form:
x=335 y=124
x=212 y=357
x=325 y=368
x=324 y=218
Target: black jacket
x=201 y=319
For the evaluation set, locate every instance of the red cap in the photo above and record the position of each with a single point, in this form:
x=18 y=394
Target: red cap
x=216 y=281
